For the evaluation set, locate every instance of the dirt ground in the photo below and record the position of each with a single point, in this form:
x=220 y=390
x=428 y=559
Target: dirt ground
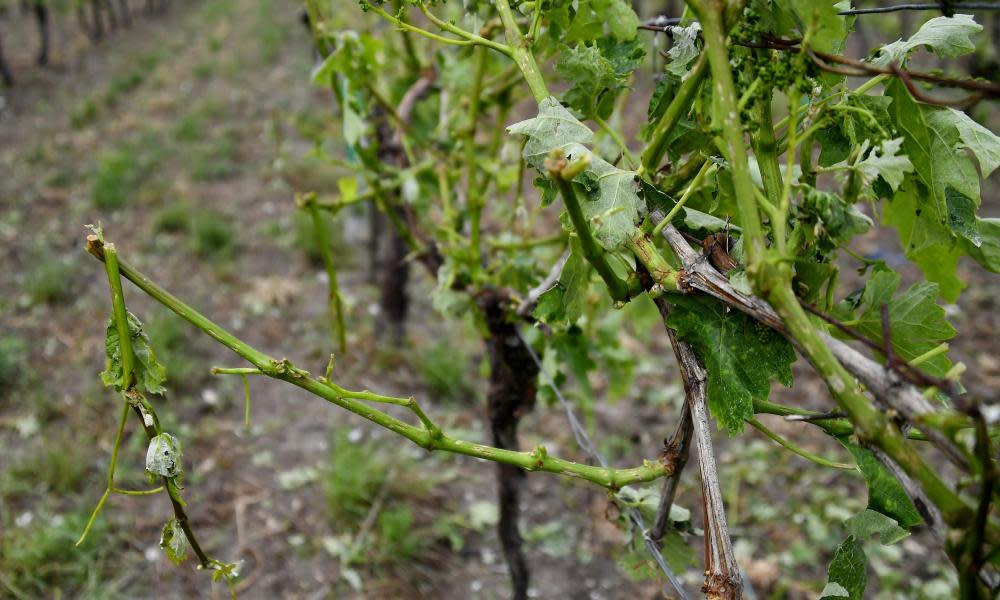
x=195 y=114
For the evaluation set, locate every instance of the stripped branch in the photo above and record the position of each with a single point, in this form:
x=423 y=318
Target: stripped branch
x=722 y=574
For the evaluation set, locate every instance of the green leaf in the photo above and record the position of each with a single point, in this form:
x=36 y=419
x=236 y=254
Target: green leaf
x=917 y=323
x=684 y=49
x=885 y=494
x=948 y=37
x=827 y=28
x=982 y=142
x=925 y=240
x=740 y=355
x=553 y=128
x=562 y=304
x=988 y=253
x=612 y=203
x=884 y=162
x=919 y=211
x=163 y=456
x=847 y=576
x=149 y=374
x=962 y=216
x=174 y=541
x=619 y=17
x=598 y=73
x=870 y=522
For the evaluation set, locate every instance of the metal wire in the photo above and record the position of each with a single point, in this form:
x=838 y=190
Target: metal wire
x=583 y=440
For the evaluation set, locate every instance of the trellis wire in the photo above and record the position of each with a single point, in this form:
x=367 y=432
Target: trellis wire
x=583 y=440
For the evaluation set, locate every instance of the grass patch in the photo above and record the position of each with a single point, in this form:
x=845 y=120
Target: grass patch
x=175 y=218
x=444 y=369
x=176 y=349
x=121 y=172
x=13 y=362
x=38 y=559
x=84 y=113
x=61 y=468
x=50 y=282
x=212 y=236
x=218 y=159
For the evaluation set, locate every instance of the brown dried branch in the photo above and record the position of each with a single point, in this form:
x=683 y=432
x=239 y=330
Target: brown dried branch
x=678 y=447
x=722 y=573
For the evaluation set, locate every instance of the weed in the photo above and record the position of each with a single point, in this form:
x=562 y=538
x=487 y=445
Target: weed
x=218 y=159
x=117 y=175
x=62 y=178
x=60 y=469
x=399 y=541
x=50 y=282
x=212 y=235
x=444 y=369
x=190 y=127
x=176 y=350
x=204 y=70
x=121 y=172
x=175 y=218
x=84 y=113
x=13 y=362
x=38 y=558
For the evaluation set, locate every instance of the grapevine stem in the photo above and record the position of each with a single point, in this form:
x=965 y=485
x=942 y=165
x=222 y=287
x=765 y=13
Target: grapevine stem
x=677 y=108
x=429 y=436
x=335 y=306
x=819 y=460
x=592 y=251
x=694 y=185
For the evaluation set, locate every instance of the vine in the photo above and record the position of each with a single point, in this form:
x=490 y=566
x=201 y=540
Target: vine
x=767 y=216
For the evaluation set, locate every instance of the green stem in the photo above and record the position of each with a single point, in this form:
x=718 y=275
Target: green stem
x=120 y=316
x=335 y=307
x=471 y=37
x=472 y=191
x=151 y=492
x=520 y=52
x=677 y=108
x=618 y=139
x=115 y=269
x=711 y=19
x=428 y=436
x=556 y=238
x=592 y=251
x=246 y=400
x=694 y=185
x=645 y=252
x=819 y=460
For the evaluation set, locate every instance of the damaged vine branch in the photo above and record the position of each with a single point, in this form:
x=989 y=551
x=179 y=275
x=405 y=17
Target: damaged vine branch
x=426 y=436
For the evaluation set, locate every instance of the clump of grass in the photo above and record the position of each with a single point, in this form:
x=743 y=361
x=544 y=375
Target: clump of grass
x=212 y=236
x=361 y=473
x=84 y=113
x=444 y=369
x=218 y=159
x=177 y=351
x=39 y=559
x=204 y=70
x=117 y=174
x=60 y=469
x=13 y=362
x=50 y=282
x=190 y=127
x=121 y=172
x=175 y=218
